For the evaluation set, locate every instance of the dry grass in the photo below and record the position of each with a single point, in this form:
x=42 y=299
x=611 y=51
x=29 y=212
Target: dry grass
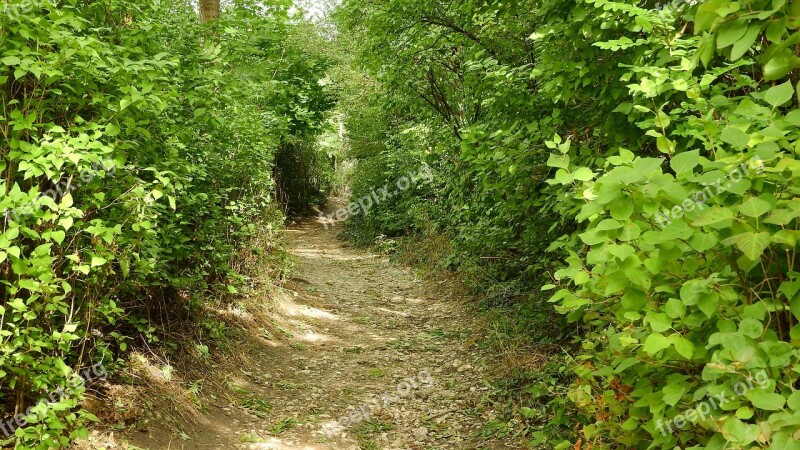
x=509 y=353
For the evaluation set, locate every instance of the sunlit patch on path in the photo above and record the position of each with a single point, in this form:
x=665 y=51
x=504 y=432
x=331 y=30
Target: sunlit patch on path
x=366 y=355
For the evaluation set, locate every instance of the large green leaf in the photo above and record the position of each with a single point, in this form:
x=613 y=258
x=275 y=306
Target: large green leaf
x=655 y=343
x=754 y=207
x=685 y=162
x=768 y=401
x=752 y=244
x=780 y=94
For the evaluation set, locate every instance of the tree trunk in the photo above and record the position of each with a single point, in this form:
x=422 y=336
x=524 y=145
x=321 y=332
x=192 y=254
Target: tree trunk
x=209 y=10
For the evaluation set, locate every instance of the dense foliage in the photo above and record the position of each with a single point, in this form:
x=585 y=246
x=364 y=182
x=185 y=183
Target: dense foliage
x=652 y=148
x=137 y=166
x=620 y=178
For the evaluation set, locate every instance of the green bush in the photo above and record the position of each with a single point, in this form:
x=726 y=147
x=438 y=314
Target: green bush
x=137 y=157
x=680 y=295
x=687 y=283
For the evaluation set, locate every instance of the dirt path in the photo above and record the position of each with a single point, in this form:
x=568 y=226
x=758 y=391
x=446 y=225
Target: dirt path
x=367 y=356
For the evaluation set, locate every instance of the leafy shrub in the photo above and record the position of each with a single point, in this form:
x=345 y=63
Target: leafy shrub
x=679 y=299
x=137 y=157
x=687 y=282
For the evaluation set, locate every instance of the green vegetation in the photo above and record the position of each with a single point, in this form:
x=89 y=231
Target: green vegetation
x=137 y=162
x=617 y=180
x=283 y=425
x=577 y=149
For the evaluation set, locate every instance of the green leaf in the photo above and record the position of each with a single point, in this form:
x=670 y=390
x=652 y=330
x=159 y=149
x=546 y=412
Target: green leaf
x=744 y=413
x=713 y=216
x=98 y=261
x=794 y=401
x=608 y=224
x=752 y=244
x=112 y=129
x=528 y=413
x=751 y=328
x=66 y=223
x=705 y=49
x=730 y=33
x=683 y=346
x=655 y=343
x=66 y=201
x=675 y=308
x=11 y=60
x=780 y=94
x=743 y=45
x=621 y=209
x=736 y=137
x=779 y=66
x=674 y=392
x=558 y=161
x=768 y=401
x=665 y=145
x=685 y=162
x=58 y=236
x=706 y=15
x=754 y=207
x=583 y=174
x=659 y=322
x=28 y=284
x=702 y=242
x=18 y=304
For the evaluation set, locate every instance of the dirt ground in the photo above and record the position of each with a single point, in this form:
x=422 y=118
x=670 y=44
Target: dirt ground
x=366 y=356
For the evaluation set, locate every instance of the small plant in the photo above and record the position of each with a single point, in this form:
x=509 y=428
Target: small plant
x=367 y=429
x=288 y=385
x=299 y=346
x=203 y=350
x=194 y=388
x=285 y=424
x=385 y=245
x=256 y=406
x=374 y=427
x=434 y=334
x=401 y=345
x=250 y=438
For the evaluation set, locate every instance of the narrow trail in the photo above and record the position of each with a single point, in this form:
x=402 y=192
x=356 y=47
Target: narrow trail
x=359 y=333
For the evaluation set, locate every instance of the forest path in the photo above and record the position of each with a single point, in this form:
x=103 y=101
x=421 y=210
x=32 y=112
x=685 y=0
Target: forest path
x=358 y=332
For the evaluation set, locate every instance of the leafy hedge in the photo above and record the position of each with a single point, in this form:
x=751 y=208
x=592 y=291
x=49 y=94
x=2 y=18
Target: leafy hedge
x=653 y=148
x=688 y=282
x=137 y=157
